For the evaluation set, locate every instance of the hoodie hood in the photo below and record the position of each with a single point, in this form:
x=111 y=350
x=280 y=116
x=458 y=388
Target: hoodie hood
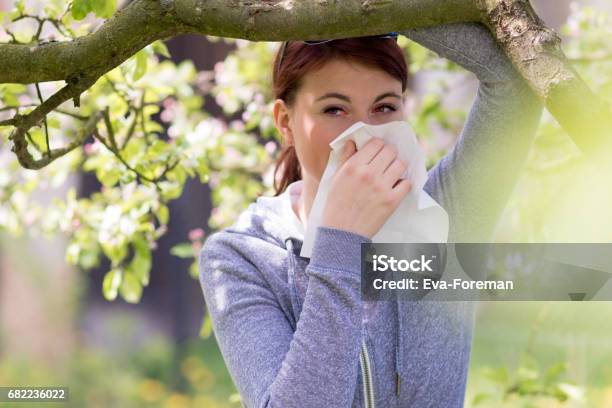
x=273 y=219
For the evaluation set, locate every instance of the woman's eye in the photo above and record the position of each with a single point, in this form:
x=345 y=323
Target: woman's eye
x=390 y=108
x=333 y=110
x=337 y=111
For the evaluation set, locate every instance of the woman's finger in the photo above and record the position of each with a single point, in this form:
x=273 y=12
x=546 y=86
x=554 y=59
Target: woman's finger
x=401 y=188
x=347 y=151
x=394 y=172
x=383 y=159
x=368 y=151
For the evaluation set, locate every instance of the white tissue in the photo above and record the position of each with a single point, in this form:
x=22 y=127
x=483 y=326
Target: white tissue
x=418 y=218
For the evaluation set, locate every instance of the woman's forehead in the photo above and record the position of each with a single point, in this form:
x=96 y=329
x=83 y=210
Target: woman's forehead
x=349 y=78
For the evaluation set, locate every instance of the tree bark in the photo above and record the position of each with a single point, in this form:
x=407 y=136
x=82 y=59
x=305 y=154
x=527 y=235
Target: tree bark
x=129 y=30
x=533 y=48
x=144 y=21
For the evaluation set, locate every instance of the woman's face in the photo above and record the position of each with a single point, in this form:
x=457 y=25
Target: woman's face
x=330 y=100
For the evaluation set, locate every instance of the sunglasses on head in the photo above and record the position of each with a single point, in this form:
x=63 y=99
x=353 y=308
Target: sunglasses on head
x=392 y=35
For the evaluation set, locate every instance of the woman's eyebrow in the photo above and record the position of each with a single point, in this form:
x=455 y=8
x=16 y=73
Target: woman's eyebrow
x=346 y=98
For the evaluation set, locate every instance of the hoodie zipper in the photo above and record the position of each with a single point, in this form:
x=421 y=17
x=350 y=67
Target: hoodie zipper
x=366 y=374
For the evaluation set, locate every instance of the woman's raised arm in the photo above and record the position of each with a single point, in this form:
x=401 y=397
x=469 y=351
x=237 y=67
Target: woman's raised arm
x=474 y=180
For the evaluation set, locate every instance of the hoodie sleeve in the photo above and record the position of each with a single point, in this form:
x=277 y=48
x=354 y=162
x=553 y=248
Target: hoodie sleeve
x=475 y=179
x=270 y=364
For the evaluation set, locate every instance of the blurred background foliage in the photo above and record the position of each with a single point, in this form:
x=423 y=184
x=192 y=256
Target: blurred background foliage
x=160 y=134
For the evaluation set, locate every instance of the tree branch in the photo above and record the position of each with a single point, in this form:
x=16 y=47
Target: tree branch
x=23 y=123
x=279 y=20
x=535 y=50
x=128 y=31
x=28 y=162
x=62 y=111
x=112 y=147
x=144 y=21
x=45 y=118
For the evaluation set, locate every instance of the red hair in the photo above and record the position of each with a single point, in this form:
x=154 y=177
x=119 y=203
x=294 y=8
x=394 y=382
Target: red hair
x=300 y=58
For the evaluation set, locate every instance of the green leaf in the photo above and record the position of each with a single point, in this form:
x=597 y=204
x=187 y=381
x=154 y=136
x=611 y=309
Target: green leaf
x=179 y=174
x=207 y=327
x=9 y=94
x=53 y=123
x=141 y=263
x=170 y=190
x=114 y=252
x=194 y=270
x=555 y=371
x=183 y=250
x=160 y=48
x=480 y=397
x=163 y=214
x=20 y=6
x=104 y=8
x=133 y=150
x=111 y=283
x=498 y=375
x=141 y=65
x=88 y=259
x=38 y=136
x=131 y=289
x=157 y=148
x=109 y=177
x=72 y=253
x=80 y=9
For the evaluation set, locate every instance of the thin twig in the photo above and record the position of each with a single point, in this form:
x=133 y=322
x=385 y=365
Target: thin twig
x=123 y=95
x=59 y=152
x=8 y=122
x=62 y=111
x=13 y=38
x=142 y=119
x=45 y=119
x=71 y=114
x=111 y=145
x=23 y=123
x=109 y=129
x=5 y=108
x=168 y=168
x=121 y=159
x=29 y=135
x=57 y=23
x=130 y=130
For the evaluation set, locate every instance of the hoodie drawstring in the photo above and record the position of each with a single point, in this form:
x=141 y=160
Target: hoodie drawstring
x=295 y=299
x=398 y=351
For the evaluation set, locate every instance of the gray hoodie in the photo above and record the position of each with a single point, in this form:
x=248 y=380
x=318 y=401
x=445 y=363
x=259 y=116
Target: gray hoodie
x=294 y=331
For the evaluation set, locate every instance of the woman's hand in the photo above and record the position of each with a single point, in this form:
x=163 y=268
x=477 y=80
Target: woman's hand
x=366 y=188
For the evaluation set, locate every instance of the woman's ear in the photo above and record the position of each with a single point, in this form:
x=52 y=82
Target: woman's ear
x=280 y=112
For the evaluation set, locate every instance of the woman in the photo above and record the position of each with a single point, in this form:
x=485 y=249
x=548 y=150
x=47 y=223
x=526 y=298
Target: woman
x=293 y=331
